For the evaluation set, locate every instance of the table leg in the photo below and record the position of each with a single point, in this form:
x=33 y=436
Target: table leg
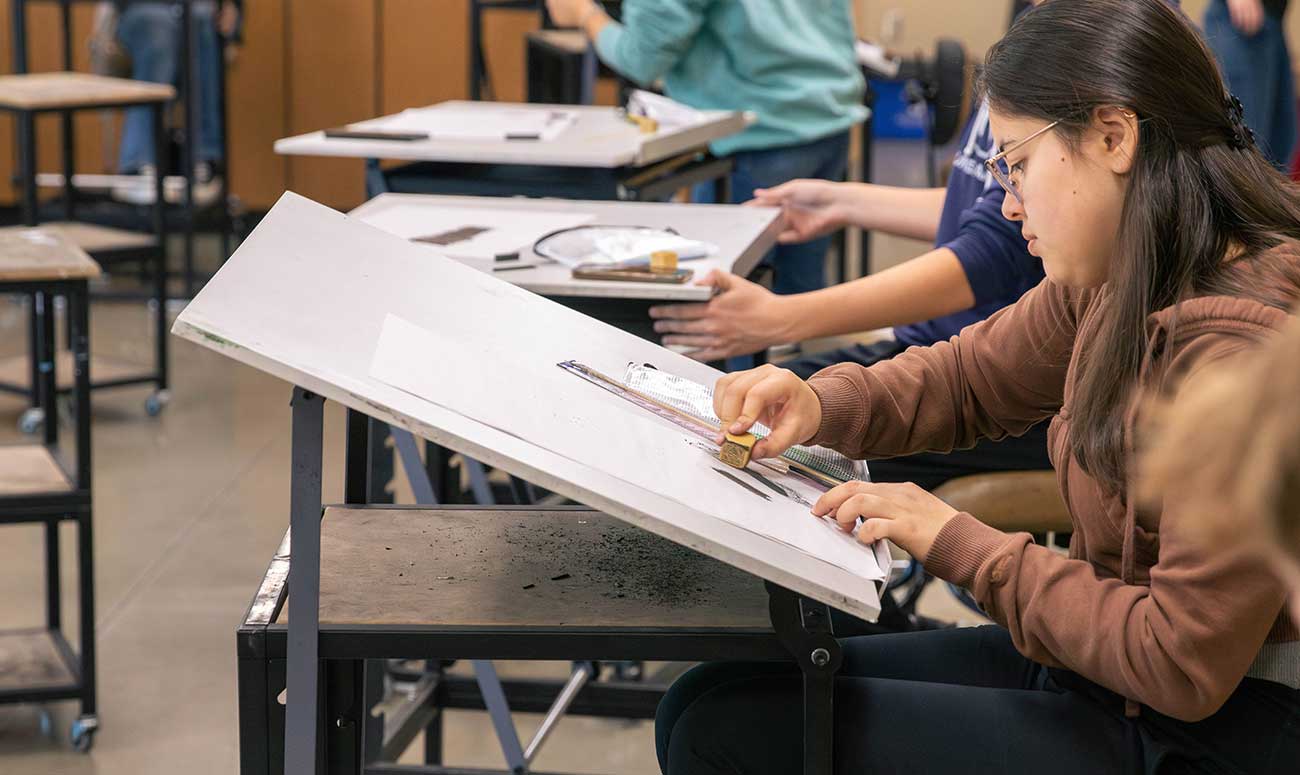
x=302 y=702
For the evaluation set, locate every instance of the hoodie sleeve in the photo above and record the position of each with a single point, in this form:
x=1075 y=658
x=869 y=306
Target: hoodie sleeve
x=995 y=379
x=652 y=38
x=1179 y=645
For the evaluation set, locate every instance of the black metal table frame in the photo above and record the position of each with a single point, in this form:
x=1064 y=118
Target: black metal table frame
x=26 y=126
x=54 y=508
x=326 y=709
x=185 y=92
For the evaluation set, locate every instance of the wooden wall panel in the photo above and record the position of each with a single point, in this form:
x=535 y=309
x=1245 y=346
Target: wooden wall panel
x=425 y=53
x=503 y=39
x=256 y=107
x=331 y=80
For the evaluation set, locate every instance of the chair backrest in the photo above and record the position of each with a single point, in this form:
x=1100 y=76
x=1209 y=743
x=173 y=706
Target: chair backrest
x=1011 y=501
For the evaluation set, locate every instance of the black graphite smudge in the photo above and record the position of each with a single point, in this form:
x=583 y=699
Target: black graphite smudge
x=561 y=577
x=639 y=566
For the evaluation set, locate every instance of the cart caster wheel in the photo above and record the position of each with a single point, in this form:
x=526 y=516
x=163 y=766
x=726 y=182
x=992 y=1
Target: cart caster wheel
x=83 y=733
x=154 y=404
x=31 y=421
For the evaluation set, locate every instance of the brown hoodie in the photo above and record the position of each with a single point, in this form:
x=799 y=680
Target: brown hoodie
x=1139 y=606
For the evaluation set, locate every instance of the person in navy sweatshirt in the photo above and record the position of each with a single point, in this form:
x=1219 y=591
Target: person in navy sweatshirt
x=979 y=265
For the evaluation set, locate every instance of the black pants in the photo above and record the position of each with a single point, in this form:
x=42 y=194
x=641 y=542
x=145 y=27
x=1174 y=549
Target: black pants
x=960 y=701
x=929 y=470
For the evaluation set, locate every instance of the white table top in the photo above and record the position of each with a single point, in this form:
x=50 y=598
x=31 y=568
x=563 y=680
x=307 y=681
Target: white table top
x=309 y=298
x=743 y=236
x=599 y=138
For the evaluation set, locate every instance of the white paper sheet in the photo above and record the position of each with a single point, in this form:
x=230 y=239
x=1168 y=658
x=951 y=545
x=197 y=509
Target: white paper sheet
x=620 y=245
x=485 y=122
x=517 y=388
x=506 y=230
x=668 y=112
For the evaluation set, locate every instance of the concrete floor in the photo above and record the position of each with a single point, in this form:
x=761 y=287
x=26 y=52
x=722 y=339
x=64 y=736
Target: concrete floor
x=189 y=508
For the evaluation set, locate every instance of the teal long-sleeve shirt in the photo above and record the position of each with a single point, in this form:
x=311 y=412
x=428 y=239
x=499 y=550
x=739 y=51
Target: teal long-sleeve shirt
x=789 y=61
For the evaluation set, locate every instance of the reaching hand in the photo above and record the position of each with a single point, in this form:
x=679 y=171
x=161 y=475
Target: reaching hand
x=809 y=208
x=228 y=19
x=743 y=318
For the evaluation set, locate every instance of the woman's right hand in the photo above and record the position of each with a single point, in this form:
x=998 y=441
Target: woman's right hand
x=775 y=397
x=809 y=208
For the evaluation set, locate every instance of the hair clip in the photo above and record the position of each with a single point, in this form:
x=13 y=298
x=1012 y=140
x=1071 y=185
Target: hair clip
x=1242 y=136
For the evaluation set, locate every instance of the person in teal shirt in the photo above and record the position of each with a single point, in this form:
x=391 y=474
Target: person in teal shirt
x=791 y=62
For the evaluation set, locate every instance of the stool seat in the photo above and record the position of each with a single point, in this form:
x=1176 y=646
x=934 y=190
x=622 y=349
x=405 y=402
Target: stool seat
x=1011 y=501
x=27 y=469
x=95 y=239
x=73 y=91
x=35 y=255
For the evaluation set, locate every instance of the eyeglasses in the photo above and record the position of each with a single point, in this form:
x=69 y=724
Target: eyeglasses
x=1004 y=174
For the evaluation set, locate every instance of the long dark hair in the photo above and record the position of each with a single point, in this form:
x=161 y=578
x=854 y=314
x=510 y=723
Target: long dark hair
x=1198 y=187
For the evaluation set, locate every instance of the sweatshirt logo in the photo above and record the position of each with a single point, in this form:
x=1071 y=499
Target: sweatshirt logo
x=978 y=148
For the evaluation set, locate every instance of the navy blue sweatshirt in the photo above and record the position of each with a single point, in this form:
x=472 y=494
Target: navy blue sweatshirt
x=989 y=247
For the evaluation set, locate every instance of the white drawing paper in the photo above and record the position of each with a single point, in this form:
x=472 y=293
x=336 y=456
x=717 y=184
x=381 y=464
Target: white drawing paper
x=482 y=122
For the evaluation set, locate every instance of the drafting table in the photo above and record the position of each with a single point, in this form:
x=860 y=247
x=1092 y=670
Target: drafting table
x=743 y=236
x=296 y=301
x=600 y=156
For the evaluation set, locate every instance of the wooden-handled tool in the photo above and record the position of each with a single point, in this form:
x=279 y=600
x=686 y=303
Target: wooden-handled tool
x=736 y=451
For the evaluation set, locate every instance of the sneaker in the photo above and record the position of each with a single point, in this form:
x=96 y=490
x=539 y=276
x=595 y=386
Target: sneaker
x=207 y=184
x=138 y=189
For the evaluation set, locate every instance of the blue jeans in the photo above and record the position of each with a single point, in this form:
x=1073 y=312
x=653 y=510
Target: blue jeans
x=1258 y=70
x=801 y=267
x=150 y=32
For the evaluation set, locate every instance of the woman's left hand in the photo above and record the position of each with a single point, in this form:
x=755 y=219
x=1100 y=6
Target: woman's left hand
x=904 y=513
